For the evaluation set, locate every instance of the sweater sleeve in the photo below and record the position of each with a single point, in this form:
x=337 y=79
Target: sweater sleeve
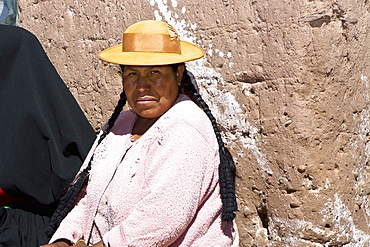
x=181 y=167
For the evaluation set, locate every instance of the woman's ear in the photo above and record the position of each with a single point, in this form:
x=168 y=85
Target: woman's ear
x=180 y=73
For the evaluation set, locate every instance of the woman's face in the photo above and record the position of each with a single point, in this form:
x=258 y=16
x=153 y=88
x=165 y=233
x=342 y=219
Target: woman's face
x=151 y=90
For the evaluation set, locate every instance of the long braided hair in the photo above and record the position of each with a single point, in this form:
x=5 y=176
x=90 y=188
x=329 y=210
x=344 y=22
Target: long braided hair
x=226 y=167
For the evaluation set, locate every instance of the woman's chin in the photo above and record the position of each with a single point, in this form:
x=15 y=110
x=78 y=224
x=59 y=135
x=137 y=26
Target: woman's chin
x=149 y=114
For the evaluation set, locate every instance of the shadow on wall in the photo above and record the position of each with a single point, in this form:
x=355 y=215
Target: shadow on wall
x=316 y=20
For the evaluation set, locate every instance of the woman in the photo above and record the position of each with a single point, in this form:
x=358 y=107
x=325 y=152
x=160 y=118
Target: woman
x=156 y=170
x=45 y=138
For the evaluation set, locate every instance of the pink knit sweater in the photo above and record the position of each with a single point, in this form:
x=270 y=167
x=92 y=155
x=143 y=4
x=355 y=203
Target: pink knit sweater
x=161 y=190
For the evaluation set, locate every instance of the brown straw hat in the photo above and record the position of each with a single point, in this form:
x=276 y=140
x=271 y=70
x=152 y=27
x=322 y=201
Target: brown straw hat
x=151 y=43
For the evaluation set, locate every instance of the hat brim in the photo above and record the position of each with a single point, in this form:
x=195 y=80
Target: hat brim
x=115 y=55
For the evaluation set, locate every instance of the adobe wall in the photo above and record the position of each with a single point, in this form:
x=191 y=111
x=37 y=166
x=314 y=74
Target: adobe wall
x=288 y=80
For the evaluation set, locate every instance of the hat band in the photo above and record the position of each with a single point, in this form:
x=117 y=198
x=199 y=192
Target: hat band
x=150 y=42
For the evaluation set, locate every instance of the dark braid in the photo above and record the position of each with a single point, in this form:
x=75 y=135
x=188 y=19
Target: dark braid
x=226 y=168
x=68 y=200
x=117 y=111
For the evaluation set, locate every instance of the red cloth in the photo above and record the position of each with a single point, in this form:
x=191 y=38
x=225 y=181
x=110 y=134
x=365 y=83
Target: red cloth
x=7 y=199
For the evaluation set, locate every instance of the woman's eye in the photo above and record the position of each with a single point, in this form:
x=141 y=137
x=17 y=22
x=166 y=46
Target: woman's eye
x=130 y=74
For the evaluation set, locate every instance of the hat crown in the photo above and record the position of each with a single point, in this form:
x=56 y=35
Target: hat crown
x=151 y=36
x=149 y=26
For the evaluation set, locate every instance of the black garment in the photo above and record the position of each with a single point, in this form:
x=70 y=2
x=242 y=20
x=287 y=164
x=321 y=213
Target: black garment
x=43 y=132
x=22 y=228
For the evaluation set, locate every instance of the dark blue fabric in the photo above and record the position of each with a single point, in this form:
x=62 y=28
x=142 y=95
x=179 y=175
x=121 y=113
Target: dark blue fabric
x=44 y=135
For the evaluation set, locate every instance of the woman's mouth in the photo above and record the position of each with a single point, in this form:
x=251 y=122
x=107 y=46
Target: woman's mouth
x=145 y=100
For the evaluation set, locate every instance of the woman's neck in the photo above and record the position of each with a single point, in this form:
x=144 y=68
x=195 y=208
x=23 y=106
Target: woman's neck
x=141 y=126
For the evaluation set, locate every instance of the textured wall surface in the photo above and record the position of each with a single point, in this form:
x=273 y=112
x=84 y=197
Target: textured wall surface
x=288 y=81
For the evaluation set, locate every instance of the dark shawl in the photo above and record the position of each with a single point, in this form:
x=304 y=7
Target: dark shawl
x=43 y=132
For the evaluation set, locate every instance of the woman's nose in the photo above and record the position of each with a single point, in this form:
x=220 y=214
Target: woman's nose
x=143 y=83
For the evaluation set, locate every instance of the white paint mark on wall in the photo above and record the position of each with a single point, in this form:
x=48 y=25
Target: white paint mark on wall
x=222 y=103
x=174 y=3
x=360 y=141
x=220 y=53
x=327 y=183
x=294 y=239
x=365 y=79
x=343 y=230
